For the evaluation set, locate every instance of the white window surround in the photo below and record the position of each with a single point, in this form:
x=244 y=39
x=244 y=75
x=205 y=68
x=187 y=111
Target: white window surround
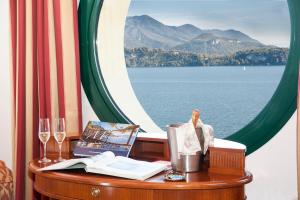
x=110 y=43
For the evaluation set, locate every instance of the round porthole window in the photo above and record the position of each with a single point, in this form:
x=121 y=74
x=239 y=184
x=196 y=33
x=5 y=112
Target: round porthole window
x=108 y=88
x=212 y=55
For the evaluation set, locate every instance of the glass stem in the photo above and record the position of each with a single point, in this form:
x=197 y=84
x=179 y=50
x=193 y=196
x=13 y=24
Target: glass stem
x=59 y=146
x=45 y=148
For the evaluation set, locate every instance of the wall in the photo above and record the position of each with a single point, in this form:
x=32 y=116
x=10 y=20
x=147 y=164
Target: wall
x=88 y=113
x=5 y=87
x=274 y=166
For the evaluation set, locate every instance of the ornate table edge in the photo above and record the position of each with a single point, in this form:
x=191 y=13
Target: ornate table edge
x=108 y=181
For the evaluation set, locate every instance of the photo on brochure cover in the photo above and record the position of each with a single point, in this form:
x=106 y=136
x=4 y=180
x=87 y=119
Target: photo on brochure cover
x=99 y=137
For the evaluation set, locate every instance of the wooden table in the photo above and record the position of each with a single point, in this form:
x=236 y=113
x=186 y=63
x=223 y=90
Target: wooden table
x=76 y=184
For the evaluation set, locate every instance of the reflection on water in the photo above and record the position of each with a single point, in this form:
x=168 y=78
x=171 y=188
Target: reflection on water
x=228 y=97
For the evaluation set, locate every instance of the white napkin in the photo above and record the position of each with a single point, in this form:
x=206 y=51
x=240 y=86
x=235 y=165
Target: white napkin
x=187 y=140
x=208 y=134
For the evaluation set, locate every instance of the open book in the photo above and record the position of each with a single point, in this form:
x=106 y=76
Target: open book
x=109 y=164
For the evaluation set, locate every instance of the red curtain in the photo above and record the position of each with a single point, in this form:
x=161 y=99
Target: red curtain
x=44 y=51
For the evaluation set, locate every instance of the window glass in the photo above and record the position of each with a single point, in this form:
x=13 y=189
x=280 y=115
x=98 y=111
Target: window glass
x=225 y=58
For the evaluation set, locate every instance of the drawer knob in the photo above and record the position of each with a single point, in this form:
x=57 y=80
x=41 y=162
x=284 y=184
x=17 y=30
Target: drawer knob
x=95 y=192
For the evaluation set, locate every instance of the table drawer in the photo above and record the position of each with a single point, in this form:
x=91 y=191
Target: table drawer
x=59 y=189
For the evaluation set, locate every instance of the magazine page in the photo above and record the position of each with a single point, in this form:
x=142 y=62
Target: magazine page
x=68 y=164
x=80 y=162
x=127 y=168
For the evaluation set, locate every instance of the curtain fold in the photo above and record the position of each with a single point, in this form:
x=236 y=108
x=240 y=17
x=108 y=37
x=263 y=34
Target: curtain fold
x=20 y=83
x=46 y=77
x=59 y=57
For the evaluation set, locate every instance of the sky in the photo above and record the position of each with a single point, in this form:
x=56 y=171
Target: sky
x=264 y=20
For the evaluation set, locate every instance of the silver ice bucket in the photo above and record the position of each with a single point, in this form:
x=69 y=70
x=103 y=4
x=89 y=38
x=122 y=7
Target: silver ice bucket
x=180 y=162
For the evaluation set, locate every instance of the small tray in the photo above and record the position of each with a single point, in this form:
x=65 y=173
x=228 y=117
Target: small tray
x=174 y=176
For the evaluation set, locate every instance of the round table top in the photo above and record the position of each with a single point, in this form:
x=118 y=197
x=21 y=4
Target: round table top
x=197 y=180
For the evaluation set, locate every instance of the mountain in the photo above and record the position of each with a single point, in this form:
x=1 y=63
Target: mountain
x=189 y=31
x=145 y=31
x=232 y=34
x=224 y=44
x=150 y=43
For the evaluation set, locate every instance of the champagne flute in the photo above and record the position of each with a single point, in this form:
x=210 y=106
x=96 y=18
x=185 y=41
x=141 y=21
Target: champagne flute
x=44 y=135
x=59 y=135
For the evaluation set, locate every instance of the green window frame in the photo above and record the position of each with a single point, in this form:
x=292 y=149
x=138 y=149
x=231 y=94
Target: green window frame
x=254 y=135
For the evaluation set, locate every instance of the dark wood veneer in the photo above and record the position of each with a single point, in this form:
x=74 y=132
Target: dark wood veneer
x=150 y=149
x=227 y=161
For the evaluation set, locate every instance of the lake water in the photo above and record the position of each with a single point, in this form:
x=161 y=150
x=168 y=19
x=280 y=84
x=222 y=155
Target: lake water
x=227 y=97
